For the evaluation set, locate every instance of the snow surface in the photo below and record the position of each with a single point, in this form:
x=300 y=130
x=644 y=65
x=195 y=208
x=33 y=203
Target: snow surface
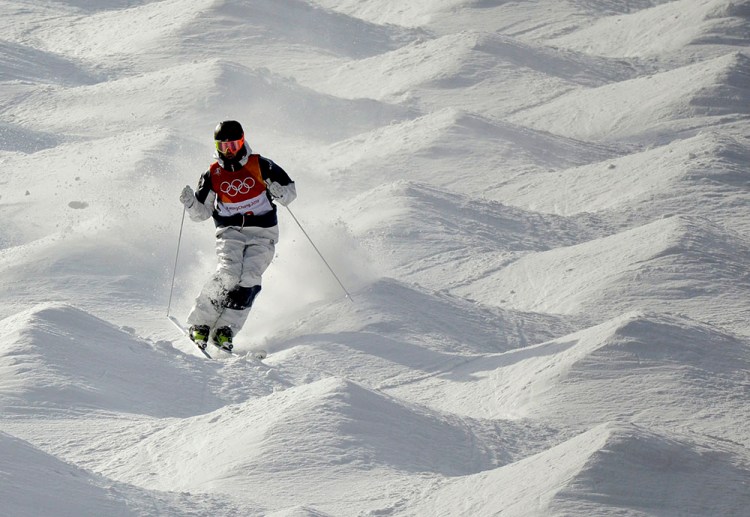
x=540 y=210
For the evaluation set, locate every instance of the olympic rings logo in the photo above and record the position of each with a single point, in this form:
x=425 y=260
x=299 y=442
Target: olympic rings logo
x=237 y=186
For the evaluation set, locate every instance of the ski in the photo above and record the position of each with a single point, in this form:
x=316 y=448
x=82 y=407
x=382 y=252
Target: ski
x=185 y=333
x=257 y=354
x=221 y=348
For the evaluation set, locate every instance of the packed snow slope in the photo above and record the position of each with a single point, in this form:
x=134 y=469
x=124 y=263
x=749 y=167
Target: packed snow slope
x=540 y=211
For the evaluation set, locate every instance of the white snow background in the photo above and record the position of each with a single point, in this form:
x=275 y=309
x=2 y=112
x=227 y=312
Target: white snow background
x=539 y=207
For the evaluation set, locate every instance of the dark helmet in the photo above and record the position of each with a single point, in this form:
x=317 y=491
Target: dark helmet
x=230 y=140
x=228 y=130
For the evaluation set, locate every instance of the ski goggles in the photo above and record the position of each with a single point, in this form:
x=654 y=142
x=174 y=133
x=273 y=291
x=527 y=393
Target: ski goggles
x=230 y=146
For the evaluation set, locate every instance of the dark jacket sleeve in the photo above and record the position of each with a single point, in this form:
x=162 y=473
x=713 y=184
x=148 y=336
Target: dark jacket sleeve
x=205 y=197
x=272 y=172
x=204 y=187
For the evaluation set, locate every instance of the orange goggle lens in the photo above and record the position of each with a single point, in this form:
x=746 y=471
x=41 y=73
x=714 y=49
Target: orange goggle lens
x=231 y=146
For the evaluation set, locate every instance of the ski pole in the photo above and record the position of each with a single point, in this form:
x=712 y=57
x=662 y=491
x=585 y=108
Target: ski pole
x=177 y=256
x=320 y=255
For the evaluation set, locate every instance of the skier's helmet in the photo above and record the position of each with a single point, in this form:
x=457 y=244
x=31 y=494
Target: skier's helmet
x=229 y=138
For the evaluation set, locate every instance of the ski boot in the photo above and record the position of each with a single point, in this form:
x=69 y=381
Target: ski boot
x=223 y=338
x=199 y=335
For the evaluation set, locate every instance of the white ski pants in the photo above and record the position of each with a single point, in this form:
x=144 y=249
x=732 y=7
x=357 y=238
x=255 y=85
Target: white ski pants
x=243 y=256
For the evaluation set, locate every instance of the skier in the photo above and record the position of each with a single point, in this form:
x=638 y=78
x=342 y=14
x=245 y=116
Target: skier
x=238 y=190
